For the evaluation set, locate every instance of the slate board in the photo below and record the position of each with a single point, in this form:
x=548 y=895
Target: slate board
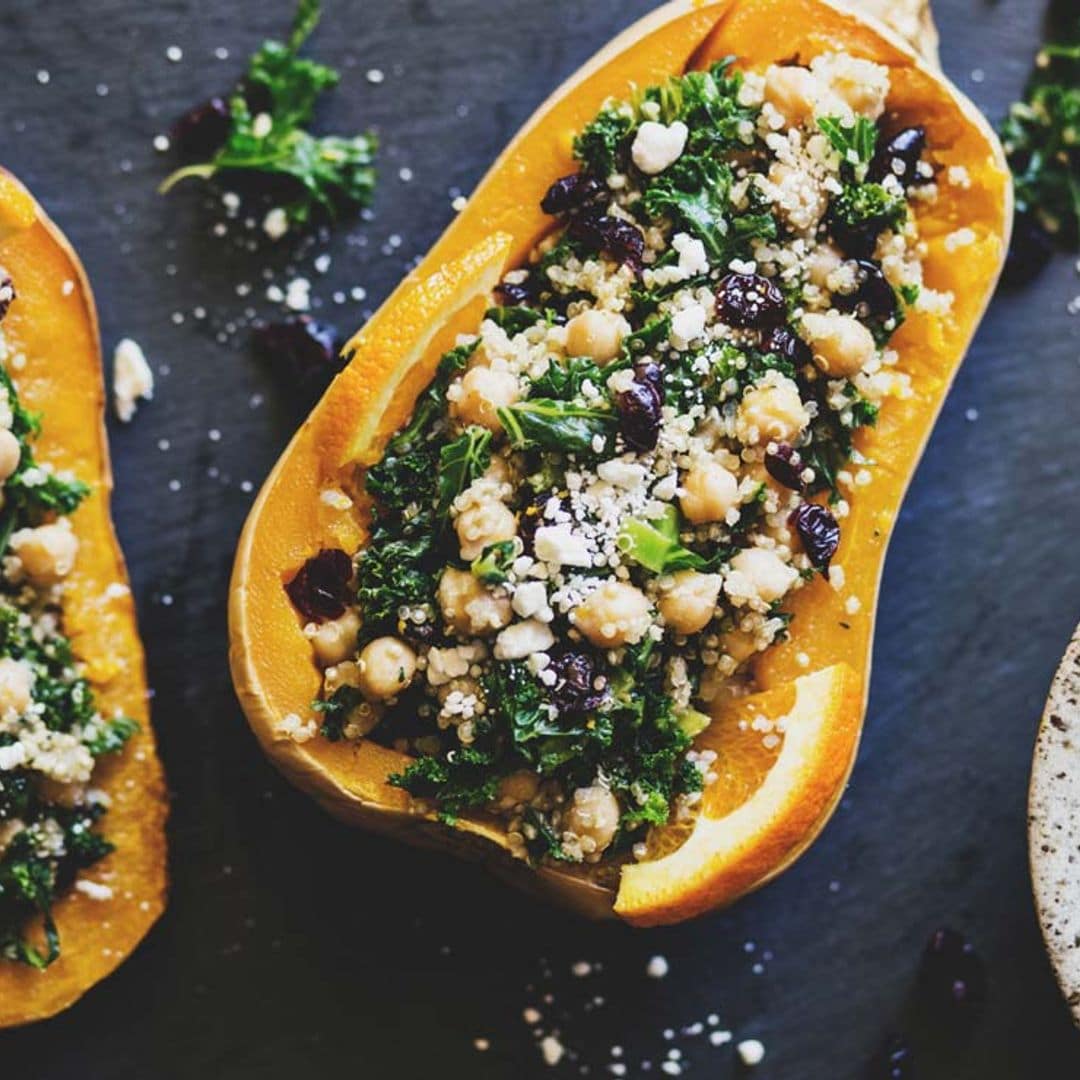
x=293 y=946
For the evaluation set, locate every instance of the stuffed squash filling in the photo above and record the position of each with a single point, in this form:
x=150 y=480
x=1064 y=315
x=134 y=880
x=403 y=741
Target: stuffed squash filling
x=50 y=730
x=587 y=529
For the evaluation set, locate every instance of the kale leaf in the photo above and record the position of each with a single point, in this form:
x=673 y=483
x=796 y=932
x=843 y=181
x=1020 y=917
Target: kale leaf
x=555 y=425
x=854 y=140
x=460 y=463
x=327 y=172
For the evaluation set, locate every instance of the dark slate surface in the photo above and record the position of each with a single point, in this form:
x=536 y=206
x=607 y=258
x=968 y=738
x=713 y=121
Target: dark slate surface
x=293 y=946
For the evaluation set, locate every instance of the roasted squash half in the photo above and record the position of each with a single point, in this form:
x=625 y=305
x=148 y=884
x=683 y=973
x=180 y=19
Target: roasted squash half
x=52 y=324
x=817 y=679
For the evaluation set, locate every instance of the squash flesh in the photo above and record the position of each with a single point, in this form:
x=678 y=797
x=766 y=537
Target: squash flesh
x=829 y=627
x=58 y=334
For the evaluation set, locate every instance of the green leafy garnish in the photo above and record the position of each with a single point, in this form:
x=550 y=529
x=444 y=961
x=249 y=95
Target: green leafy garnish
x=868 y=207
x=655 y=544
x=855 y=140
x=601 y=145
x=329 y=172
x=460 y=463
x=492 y=565
x=1042 y=139
x=555 y=425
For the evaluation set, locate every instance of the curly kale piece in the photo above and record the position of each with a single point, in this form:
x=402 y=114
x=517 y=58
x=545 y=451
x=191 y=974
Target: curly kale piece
x=327 y=172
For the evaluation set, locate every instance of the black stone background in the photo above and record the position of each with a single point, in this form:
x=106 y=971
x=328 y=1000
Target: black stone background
x=295 y=947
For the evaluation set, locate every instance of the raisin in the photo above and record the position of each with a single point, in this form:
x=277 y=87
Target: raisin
x=302 y=351
x=202 y=130
x=639 y=409
x=819 y=531
x=570 y=193
x=612 y=236
x=785 y=466
x=575 y=689
x=783 y=342
x=319 y=590
x=906 y=148
x=873 y=298
x=750 y=301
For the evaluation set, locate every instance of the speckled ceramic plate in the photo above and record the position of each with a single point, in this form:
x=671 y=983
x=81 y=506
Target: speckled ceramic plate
x=1054 y=825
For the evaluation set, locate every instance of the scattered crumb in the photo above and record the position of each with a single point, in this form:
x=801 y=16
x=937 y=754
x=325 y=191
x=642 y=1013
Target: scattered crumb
x=375 y=76
x=482 y=1044
x=94 y=889
x=751 y=1052
x=551 y=1050
x=581 y=968
x=174 y=54
x=719 y=1038
x=657 y=967
x=132 y=378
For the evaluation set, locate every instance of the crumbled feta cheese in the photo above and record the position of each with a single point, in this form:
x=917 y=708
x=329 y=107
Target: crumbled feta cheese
x=751 y=1052
x=132 y=378
x=561 y=546
x=520 y=640
x=276 y=223
x=656 y=146
x=657 y=967
x=687 y=325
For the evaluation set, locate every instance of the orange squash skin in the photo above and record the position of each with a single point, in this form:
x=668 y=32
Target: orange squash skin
x=54 y=325
x=270 y=657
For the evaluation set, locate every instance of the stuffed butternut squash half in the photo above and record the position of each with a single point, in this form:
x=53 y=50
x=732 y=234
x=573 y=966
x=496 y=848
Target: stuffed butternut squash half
x=82 y=803
x=574 y=567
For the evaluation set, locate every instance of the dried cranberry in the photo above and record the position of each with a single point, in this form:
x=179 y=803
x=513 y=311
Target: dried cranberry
x=575 y=688
x=818 y=530
x=894 y=1061
x=202 y=130
x=320 y=588
x=750 y=301
x=613 y=236
x=301 y=350
x=873 y=298
x=639 y=415
x=571 y=193
x=952 y=976
x=784 y=342
x=1031 y=249
x=7 y=292
x=648 y=371
x=903 y=150
x=785 y=466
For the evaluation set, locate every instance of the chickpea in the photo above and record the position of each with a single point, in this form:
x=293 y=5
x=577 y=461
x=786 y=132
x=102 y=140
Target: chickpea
x=771 y=411
x=768 y=575
x=471 y=609
x=792 y=91
x=485 y=390
x=517 y=788
x=709 y=492
x=595 y=333
x=842 y=345
x=483 y=523
x=690 y=603
x=387 y=666
x=614 y=614
x=10 y=452
x=593 y=817
x=48 y=552
x=16 y=685
x=335 y=640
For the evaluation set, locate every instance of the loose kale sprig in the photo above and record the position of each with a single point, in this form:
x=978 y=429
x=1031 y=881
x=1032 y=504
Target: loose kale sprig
x=267 y=134
x=1042 y=140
